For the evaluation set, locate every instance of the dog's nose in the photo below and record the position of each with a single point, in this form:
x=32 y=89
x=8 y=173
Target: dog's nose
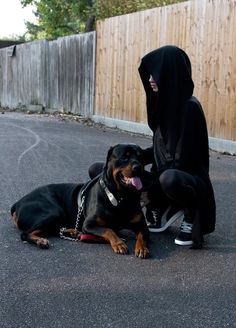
x=136 y=167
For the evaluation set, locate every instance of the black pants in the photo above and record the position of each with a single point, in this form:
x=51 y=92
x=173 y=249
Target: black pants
x=175 y=187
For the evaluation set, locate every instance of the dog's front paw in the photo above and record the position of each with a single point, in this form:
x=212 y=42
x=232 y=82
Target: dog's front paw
x=119 y=247
x=142 y=252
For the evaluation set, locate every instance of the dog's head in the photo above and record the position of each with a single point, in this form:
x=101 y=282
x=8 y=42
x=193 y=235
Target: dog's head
x=125 y=166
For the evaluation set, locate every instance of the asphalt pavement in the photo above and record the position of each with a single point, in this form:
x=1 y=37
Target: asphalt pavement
x=74 y=284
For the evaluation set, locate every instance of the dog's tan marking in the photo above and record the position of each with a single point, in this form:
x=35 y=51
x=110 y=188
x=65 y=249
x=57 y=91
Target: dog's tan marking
x=15 y=219
x=116 y=173
x=136 y=218
x=100 y=222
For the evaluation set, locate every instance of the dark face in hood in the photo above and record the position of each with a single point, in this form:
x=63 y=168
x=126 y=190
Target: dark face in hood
x=170 y=68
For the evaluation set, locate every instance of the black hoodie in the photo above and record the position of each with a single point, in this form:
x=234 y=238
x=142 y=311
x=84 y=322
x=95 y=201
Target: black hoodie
x=180 y=138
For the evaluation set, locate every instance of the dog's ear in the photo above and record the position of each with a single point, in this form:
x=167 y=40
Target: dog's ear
x=109 y=153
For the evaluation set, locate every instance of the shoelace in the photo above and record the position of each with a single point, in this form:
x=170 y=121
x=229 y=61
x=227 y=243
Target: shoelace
x=155 y=215
x=186 y=227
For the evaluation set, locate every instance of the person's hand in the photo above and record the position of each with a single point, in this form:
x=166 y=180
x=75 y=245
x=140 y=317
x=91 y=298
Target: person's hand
x=144 y=200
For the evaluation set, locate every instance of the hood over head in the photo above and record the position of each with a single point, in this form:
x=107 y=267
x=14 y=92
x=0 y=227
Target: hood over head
x=170 y=68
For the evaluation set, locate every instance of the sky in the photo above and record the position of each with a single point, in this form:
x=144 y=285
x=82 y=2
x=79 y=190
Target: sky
x=12 y=17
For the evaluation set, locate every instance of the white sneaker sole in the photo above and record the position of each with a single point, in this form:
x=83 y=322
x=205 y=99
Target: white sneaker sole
x=176 y=216
x=183 y=243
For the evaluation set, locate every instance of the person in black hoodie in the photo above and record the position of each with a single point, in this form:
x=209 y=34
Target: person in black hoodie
x=180 y=150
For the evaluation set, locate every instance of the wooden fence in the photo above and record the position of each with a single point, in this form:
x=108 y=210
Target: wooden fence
x=56 y=75
x=60 y=74
x=205 y=29
x=21 y=75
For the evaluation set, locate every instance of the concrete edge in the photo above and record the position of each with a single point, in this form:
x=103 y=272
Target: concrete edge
x=129 y=126
x=223 y=145
x=219 y=145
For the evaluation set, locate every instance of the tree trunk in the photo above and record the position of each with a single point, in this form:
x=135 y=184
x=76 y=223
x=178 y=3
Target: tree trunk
x=90 y=24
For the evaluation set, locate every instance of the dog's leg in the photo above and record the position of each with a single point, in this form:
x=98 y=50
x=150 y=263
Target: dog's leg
x=33 y=237
x=117 y=244
x=99 y=229
x=141 y=249
x=142 y=235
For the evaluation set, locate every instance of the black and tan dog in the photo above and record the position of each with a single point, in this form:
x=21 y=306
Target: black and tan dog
x=103 y=207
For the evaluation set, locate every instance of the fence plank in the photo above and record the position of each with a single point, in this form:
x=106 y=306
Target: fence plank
x=20 y=75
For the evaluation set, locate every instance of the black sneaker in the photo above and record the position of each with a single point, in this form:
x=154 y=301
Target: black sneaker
x=184 y=237
x=168 y=216
x=153 y=217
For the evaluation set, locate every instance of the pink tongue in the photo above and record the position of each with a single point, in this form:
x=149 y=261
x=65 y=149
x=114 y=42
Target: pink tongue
x=136 y=182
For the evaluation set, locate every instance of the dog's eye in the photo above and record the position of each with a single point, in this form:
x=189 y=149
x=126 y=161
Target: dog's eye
x=125 y=156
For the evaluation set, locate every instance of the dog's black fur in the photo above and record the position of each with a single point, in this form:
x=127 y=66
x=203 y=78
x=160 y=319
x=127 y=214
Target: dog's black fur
x=45 y=210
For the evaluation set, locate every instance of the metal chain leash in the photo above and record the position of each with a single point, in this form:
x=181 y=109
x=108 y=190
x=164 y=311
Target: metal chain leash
x=78 y=217
x=80 y=211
